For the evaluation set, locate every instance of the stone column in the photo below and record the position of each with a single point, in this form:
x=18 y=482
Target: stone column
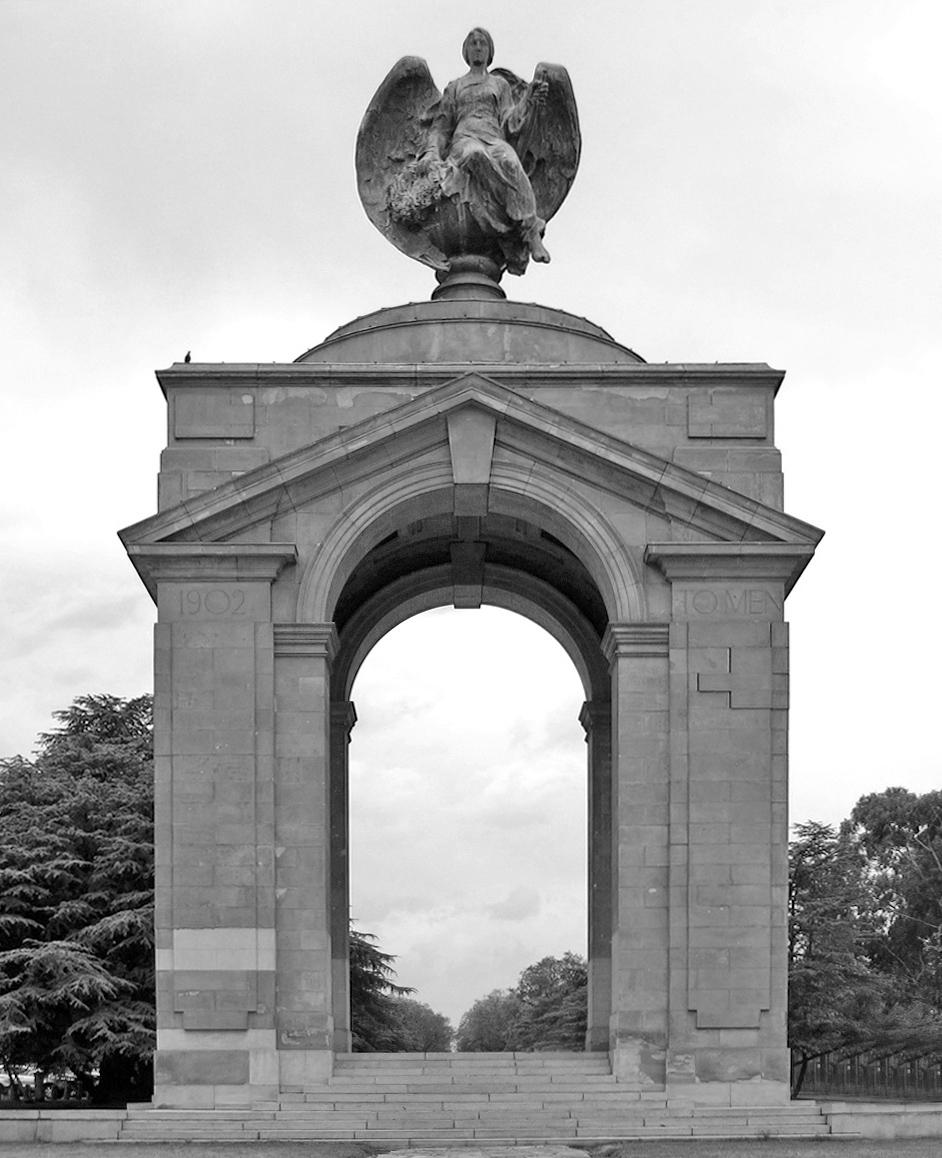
x=637 y=654
x=342 y=718
x=729 y=822
x=304 y=1006
x=213 y=742
x=596 y=719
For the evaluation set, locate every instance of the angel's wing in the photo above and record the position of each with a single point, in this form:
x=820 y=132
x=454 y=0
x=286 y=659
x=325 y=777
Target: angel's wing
x=393 y=134
x=549 y=143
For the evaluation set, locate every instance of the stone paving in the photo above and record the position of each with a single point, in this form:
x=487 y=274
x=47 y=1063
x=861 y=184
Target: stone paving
x=490 y=1152
x=776 y=1148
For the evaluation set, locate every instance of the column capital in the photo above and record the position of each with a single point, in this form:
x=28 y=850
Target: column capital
x=730 y=562
x=343 y=715
x=210 y=562
x=593 y=713
x=634 y=639
x=316 y=640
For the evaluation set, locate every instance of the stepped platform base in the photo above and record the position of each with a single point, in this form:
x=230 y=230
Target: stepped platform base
x=439 y=1100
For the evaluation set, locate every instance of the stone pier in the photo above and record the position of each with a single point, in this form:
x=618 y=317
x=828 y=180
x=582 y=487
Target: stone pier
x=469 y=452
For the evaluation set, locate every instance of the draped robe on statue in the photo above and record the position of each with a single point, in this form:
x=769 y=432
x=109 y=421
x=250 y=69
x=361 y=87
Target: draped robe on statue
x=471 y=124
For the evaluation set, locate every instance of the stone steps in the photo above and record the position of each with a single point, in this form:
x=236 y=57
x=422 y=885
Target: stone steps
x=416 y=1134
x=457 y=1099
x=407 y=1127
x=464 y=1063
x=480 y=1083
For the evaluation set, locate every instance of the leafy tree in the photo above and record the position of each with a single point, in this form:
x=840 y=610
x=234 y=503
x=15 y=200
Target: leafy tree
x=900 y=835
x=834 y=997
x=420 y=1029
x=76 y=899
x=76 y=912
x=547 y=1009
x=864 y=925
x=553 y=997
x=489 y=1025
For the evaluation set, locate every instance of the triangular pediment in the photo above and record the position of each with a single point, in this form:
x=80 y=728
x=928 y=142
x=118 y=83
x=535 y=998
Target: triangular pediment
x=709 y=511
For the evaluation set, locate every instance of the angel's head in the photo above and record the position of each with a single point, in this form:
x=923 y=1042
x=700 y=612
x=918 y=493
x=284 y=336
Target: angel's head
x=481 y=40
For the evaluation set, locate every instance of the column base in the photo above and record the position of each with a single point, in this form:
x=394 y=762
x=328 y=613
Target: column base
x=755 y=1092
x=596 y=1039
x=213 y=1097
x=729 y=1076
x=231 y=1070
x=597 y=1035
x=640 y=1062
x=305 y=1067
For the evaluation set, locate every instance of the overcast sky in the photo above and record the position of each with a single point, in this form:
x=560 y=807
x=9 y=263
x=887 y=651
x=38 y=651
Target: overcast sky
x=760 y=182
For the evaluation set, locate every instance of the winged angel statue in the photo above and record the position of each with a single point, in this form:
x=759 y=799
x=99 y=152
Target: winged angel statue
x=468 y=178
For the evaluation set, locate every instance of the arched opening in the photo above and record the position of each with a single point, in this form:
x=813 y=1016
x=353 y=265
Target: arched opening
x=412 y=562
x=467 y=801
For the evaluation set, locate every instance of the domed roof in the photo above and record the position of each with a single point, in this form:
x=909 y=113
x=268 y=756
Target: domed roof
x=482 y=330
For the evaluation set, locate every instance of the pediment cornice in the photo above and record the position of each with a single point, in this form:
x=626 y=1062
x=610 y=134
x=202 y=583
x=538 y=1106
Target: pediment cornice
x=649 y=480
x=209 y=562
x=730 y=562
x=196 y=375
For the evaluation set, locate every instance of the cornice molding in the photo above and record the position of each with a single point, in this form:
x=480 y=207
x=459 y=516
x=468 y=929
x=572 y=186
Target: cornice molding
x=642 y=640
x=316 y=640
x=730 y=562
x=194 y=375
x=210 y=562
x=683 y=494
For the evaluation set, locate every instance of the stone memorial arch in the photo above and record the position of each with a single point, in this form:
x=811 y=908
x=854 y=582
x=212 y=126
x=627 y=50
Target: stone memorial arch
x=468 y=451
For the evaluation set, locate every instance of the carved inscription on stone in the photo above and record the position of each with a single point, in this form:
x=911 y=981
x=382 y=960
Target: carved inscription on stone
x=213 y=602
x=727 y=601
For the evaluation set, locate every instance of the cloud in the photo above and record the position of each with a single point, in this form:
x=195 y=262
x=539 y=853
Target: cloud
x=42 y=603
x=92 y=614
x=468 y=815
x=138 y=230
x=455 y=956
x=72 y=626
x=519 y=903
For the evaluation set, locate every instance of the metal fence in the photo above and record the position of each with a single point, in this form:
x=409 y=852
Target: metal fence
x=871 y=1075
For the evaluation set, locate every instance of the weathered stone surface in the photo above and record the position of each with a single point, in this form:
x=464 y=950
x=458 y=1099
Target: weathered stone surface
x=622 y=506
x=548 y=1151
x=466 y=180
x=201 y=1067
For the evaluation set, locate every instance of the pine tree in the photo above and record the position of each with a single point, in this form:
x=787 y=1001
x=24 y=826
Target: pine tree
x=76 y=899
x=373 y=993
